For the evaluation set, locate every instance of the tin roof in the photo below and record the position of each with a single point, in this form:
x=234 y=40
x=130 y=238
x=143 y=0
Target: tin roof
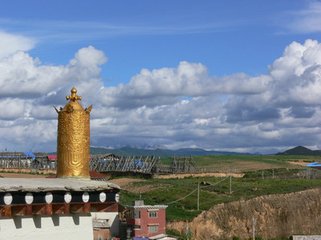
x=53 y=184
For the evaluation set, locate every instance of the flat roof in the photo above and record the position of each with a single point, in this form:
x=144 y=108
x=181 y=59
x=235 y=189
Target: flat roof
x=53 y=184
x=150 y=206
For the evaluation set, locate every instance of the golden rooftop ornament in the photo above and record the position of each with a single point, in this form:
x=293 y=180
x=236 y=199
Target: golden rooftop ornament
x=73 y=143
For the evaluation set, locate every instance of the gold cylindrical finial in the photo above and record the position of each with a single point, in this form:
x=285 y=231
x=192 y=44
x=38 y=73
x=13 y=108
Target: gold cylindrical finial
x=73 y=141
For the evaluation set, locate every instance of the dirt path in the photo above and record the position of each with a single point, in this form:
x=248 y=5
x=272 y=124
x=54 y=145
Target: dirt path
x=127 y=184
x=123 y=182
x=299 y=163
x=184 y=175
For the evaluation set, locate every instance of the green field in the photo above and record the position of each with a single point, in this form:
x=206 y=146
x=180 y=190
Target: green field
x=242 y=163
x=230 y=160
x=263 y=175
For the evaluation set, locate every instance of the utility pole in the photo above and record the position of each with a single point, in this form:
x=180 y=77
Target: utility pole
x=230 y=184
x=198 y=196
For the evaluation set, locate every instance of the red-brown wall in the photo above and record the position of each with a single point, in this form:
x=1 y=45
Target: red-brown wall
x=144 y=221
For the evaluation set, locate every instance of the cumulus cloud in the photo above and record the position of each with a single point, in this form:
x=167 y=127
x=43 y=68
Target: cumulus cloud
x=296 y=75
x=164 y=86
x=12 y=43
x=180 y=106
x=28 y=89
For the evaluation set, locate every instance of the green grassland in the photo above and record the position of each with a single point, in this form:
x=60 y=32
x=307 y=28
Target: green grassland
x=216 y=160
x=263 y=175
x=242 y=188
x=229 y=160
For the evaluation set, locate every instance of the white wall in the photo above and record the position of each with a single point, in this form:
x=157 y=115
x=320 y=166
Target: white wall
x=113 y=220
x=47 y=228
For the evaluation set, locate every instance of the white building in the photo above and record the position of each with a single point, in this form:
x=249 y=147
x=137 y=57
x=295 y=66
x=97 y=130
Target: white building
x=52 y=209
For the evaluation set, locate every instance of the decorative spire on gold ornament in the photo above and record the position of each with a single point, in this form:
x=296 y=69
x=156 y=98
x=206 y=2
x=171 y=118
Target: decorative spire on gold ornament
x=73 y=141
x=73 y=96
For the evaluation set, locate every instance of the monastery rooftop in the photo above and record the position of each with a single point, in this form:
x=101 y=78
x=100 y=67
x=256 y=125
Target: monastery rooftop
x=53 y=184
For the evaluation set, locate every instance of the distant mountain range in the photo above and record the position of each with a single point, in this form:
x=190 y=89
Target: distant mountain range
x=130 y=151
x=299 y=150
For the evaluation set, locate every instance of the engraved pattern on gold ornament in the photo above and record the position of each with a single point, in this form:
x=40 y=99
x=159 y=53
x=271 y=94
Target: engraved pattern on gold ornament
x=73 y=138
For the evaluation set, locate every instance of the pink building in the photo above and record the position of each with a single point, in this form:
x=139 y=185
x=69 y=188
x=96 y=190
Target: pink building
x=147 y=220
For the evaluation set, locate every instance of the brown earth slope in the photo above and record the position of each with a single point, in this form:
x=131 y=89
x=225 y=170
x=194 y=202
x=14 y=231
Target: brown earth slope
x=271 y=216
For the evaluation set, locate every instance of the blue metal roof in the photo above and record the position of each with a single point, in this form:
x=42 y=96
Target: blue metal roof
x=314 y=164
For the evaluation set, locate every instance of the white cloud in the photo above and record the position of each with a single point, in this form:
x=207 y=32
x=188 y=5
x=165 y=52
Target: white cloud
x=297 y=74
x=242 y=84
x=165 y=85
x=24 y=77
x=12 y=43
x=75 y=31
x=12 y=109
x=86 y=63
x=180 y=106
x=28 y=89
x=186 y=79
x=306 y=20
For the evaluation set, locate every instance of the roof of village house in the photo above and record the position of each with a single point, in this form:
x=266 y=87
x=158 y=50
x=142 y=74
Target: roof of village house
x=52 y=157
x=162 y=237
x=94 y=175
x=53 y=184
x=141 y=204
x=150 y=206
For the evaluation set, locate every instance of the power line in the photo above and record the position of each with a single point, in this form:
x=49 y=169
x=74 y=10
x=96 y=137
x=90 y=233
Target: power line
x=197 y=189
x=182 y=197
x=214 y=184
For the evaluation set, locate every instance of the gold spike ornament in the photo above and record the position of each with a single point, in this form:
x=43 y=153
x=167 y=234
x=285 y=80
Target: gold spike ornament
x=73 y=142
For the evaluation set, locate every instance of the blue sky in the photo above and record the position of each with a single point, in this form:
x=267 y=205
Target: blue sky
x=226 y=36
x=223 y=75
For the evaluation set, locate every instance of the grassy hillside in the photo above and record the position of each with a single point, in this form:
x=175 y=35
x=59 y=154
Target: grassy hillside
x=241 y=163
x=213 y=190
x=268 y=174
x=299 y=150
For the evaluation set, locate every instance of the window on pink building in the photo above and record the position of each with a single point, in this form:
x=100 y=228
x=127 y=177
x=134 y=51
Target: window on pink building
x=136 y=213
x=152 y=214
x=137 y=227
x=153 y=228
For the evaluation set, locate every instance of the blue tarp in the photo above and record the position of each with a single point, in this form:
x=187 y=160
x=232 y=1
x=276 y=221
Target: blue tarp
x=138 y=163
x=314 y=164
x=15 y=156
x=30 y=154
